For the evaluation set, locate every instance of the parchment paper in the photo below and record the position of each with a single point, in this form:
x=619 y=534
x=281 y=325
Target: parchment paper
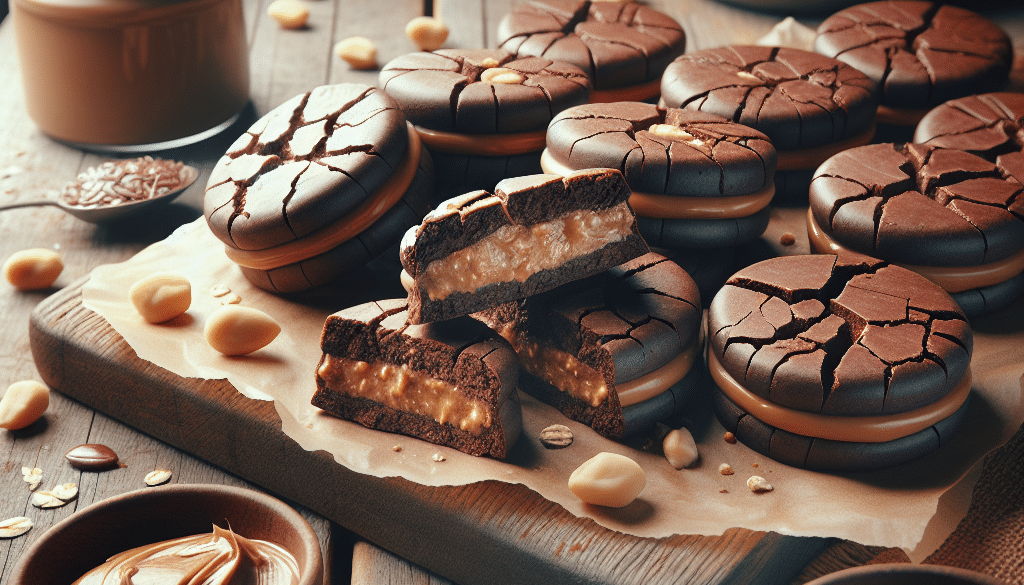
x=887 y=508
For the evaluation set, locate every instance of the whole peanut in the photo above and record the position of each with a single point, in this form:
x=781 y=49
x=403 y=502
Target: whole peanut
x=289 y=13
x=427 y=33
x=161 y=297
x=235 y=330
x=23 y=404
x=608 y=479
x=33 y=269
x=359 y=52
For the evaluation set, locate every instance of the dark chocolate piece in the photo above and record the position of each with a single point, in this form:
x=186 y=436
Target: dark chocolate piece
x=919 y=53
x=919 y=205
x=617 y=44
x=799 y=99
x=523 y=201
x=622 y=324
x=443 y=90
x=463 y=353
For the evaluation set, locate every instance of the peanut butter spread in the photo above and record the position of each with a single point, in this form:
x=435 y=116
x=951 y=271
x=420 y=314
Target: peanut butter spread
x=221 y=558
x=406 y=390
x=563 y=371
x=516 y=252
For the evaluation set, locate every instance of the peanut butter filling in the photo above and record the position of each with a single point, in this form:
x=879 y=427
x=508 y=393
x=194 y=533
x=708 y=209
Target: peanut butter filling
x=854 y=429
x=406 y=390
x=563 y=371
x=654 y=383
x=346 y=228
x=630 y=93
x=516 y=252
x=809 y=158
x=952 y=279
x=483 y=144
x=679 y=206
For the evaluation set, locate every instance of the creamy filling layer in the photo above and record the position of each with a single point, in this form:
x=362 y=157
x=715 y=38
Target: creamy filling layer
x=952 y=279
x=517 y=252
x=680 y=206
x=346 y=228
x=483 y=144
x=401 y=388
x=852 y=429
x=808 y=159
x=640 y=92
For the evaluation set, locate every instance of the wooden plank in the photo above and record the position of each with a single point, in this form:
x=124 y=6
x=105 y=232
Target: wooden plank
x=480 y=533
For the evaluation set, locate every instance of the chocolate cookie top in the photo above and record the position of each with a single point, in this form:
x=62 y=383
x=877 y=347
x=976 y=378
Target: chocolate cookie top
x=990 y=125
x=919 y=205
x=919 y=53
x=304 y=165
x=616 y=43
x=676 y=152
x=449 y=90
x=829 y=335
x=798 y=98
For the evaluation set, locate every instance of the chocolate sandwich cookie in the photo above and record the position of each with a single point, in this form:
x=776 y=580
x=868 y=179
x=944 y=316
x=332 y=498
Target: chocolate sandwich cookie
x=809 y=105
x=698 y=180
x=451 y=383
x=534 y=233
x=947 y=214
x=482 y=113
x=920 y=54
x=615 y=351
x=319 y=186
x=623 y=46
x=990 y=125
x=838 y=363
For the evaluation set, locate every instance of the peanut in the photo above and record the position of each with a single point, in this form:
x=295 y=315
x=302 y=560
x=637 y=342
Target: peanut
x=608 y=479
x=161 y=297
x=235 y=330
x=502 y=75
x=680 y=449
x=426 y=32
x=33 y=269
x=359 y=52
x=23 y=404
x=289 y=13
x=758 y=484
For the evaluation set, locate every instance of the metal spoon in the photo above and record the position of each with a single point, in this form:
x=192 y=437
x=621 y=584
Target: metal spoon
x=105 y=213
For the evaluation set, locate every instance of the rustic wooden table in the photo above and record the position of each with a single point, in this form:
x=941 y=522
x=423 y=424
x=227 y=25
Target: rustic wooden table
x=283 y=63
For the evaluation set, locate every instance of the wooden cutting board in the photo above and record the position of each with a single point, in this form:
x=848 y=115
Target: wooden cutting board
x=489 y=532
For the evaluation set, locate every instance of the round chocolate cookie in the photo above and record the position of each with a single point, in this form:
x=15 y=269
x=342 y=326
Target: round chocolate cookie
x=990 y=125
x=920 y=54
x=320 y=185
x=623 y=46
x=698 y=180
x=838 y=362
x=947 y=214
x=809 y=105
x=616 y=351
x=482 y=113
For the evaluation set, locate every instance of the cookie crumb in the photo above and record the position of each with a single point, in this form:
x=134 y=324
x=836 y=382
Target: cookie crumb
x=438 y=457
x=787 y=239
x=556 y=437
x=725 y=469
x=397 y=448
x=723 y=491
x=758 y=484
x=754 y=465
x=729 y=437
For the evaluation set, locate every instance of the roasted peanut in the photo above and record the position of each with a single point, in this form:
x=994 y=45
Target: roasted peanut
x=608 y=479
x=161 y=297
x=359 y=52
x=426 y=32
x=23 y=404
x=235 y=330
x=502 y=75
x=289 y=13
x=758 y=484
x=680 y=449
x=33 y=269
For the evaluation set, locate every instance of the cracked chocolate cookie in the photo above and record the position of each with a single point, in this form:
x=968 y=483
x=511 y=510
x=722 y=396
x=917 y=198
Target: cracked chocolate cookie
x=615 y=351
x=622 y=46
x=809 y=105
x=482 y=113
x=698 y=180
x=450 y=383
x=838 y=362
x=534 y=233
x=920 y=54
x=319 y=186
x=947 y=214
x=990 y=125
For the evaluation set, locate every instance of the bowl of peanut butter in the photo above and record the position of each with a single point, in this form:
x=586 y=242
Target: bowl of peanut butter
x=177 y=534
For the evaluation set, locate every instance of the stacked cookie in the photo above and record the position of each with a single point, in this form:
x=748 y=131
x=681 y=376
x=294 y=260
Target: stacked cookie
x=604 y=331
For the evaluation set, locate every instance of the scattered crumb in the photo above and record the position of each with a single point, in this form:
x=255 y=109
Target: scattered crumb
x=397 y=448
x=14 y=527
x=33 y=476
x=220 y=290
x=729 y=438
x=725 y=469
x=157 y=477
x=787 y=239
x=758 y=484
x=230 y=299
x=723 y=491
x=438 y=457
x=754 y=465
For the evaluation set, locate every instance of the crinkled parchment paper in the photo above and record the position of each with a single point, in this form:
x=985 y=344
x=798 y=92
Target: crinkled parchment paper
x=890 y=508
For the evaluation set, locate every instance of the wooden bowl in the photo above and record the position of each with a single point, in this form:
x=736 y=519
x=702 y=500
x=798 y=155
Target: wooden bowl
x=87 y=538
x=905 y=574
